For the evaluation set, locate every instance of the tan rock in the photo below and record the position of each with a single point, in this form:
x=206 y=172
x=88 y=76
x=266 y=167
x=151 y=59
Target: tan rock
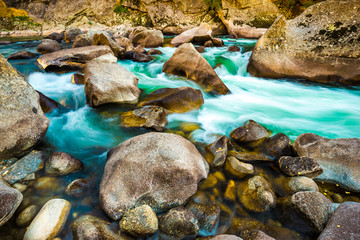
x=199 y=34
x=146 y=37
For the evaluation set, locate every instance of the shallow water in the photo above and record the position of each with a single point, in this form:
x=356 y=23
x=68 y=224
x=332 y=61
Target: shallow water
x=292 y=107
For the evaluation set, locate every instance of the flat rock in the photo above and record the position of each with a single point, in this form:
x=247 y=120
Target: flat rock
x=22 y=121
x=339 y=158
x=163 y=179
x=189 y=63
x=152 y=117
x=22 y=55
x=299 y=166
x=49 y=221
x=48 y=46
x=61 y=163
x=109 y=83
x=10 y=199
x=199 y=34
x=145 y=37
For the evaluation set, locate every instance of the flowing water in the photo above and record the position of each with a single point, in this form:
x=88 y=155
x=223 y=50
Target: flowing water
x=291 y=107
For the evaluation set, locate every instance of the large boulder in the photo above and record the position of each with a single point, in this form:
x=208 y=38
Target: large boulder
x=322 y=44
x=199 y=34
x=82 y=40
x=339 y=158
x=145 y=37
x=10 y=199
x=109 y=83
x=189 y=63
x=48 y=46
x=161 y=170
x=103 y=38
x=22 y=55
x=22 y=121
x=72 y=59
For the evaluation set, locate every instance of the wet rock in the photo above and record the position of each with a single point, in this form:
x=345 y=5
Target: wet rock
x=19 y=186
x=77 y=188
x=49 y=221
x=200 y=49
x=199 y=35
x=218 y=42
x=10 y=199
x=277 y=146
x=125 y=43
x=152 y=117
x=339 y=158
x=47 y=104
x=72 y=59
x=301 y=184
x=59 y=37
x=104 y=38
x=225 y=237
x=178 y=223
x=234 y=49
x=26 y=216
x=23 y=123
x=139 y=222
x=31 y=163
x=208 y=43
x=189 y=63
x=325 y=34
x=71 y=33
x=344 y=223
x=148 y=38
x=82 y=40
x=22 y=55
x=140 y=49
x=5 y=42
x=48 y=46
x=219 y=150
x=61 y=163
x=178 y=100
x=299 y=166
x=237 y=168
x=88 y=227
x=208 y=216
x=162 y=180
x=140 y=57
x=251 y=131
x=256 y=194
x=155 y=52
x=48 y=185
x=256 y=235
x=109 y=83
x=78 y=79
x=247 y=156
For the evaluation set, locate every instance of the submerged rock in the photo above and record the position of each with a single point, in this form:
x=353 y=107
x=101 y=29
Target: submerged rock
x=77 y=188
x=189 y=63
x=22 y=55
x=237 y=168
x=178 y=100
x=299 y=166
x=301 y=184
x=109 y=83
x=339 y=158
x=219 y=150
x=250 y=132
x=47 y=104
x=145 y=37
x=208 y=216
x=26 y=216
x=61 y=163
x=22 y=121
x=199 y=34
x=10 y=199
x=48 y=46
x=49 y=221
x=322 y=44
x=152 y=117
x=165 y=178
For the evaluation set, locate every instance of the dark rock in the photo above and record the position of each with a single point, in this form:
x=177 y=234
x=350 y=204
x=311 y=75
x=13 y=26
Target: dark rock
x=140 y=49
x=77 y=78
x=141 y=57
x=344 y=223
x=218 y=42
x=104 y=38
x=10 y=199
x=199 y=35
x=200 y=49
x=139 y=222
x=339 y=158
x=277 y=146
x=5 y=42
x=146 y=37
x=82 y=40
x=250 y=132
x=152 y=117
x=178 y=223
x=48 y=46
x=179 y=100
x=218 y=150
x=155 y=52
x=61 y=163
x=125 y=43
x=208 y=216
x=59 y=37
x=47 y=104
x=299 y=166
x=71 y=33
x=22 y=55
x=162 y=180
x=26 y=216
x=208 y=43
x=189 y=63
x=234 y=49
x=237 y=168
x=250 y=156
x=77 y=188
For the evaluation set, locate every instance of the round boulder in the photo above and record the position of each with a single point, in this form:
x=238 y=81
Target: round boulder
x=48 y=46
x=146 y=37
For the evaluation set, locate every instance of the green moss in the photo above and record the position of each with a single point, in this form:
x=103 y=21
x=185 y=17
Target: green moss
x=214 y=4
x=120 y=9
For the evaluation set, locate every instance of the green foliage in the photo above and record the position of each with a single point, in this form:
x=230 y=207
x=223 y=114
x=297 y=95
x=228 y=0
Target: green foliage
x=120 y=9
x=214 y=4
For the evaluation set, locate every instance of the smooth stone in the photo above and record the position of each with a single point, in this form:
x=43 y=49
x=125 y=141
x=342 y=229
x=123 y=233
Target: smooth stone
x=301 y=184
x=178 y=100
x=225 y=237
x=109 y=83
x=19 y=186
x=155 y=52
x=149 y=38
x=277 y=146
x=163 y=179
x=200 y=49
x=22 y=55
x=178 y=223
x=139 y=222
x=77 y=78
x=256 y=194
x=47 y=104
x=125 y=43
x=49 y=221
x=251 y=131
x=61 y=163
x=152 y=117
x=338 y=158
x=26 y=216
x=77 y=188
x=10 y=199
x=5 y=42
x=219 y=150
x=189 y=63
x=208 y=216
x=140 y=57
x=234 y=49
x=104 y=38
x=106 y=58
x=59 y=37
x=218 y=42
x=257 y=235
x=140 y=49
x=71 y=33
x=300 y=166
x=208 y=43
x=48 y=46
x=250 y=156
x=48 y=184
x=23 y=123
x=18 y=171
x=237 y=168
x=344 y=223
x=199 y=34
x=82 y=40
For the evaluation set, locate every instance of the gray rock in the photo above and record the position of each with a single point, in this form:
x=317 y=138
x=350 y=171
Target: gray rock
x=26 y=216
x=225 y=237
x=71 y=33
x=208 y=216
x=48 y=46
x=22 y=55
x=139 y=222
x=344 y=223
x=56 y=36
x=339 y=158
x=301 y=184
x=250 y=132
x=219 y=150
x=10 y=199
x=300 y=166
x=146 y=37
x=178 y=223
x=104 y=38
x=165 y=178
x=82 y=40
x=109 y=83
x=152 y=117
x=22 y=121
x=77 y=188
x=27 y=165
x=61 y=163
